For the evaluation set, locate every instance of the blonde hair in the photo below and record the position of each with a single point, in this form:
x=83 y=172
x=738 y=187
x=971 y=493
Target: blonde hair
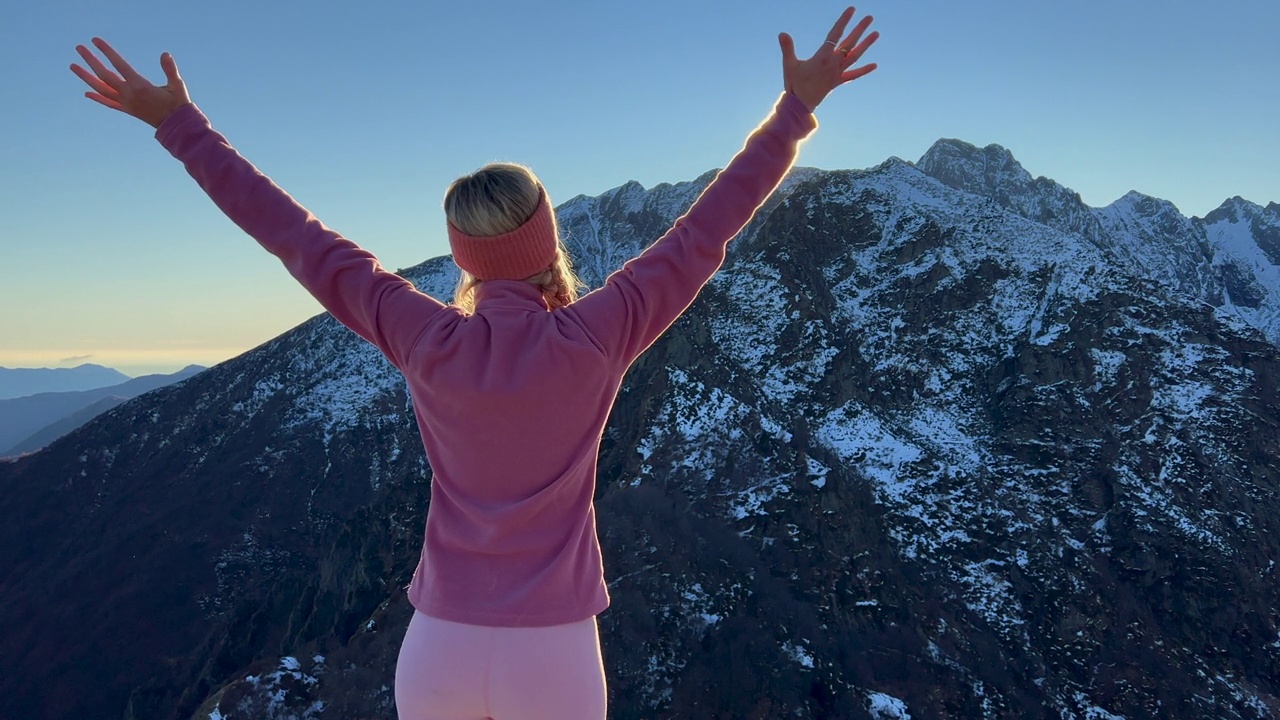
x=497 y=199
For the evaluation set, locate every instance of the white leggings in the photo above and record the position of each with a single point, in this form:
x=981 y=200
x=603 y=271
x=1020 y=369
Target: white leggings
x=451 y=671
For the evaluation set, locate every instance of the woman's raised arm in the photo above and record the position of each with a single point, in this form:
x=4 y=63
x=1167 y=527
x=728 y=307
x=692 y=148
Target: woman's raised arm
x=640 y=301
x=380 y=306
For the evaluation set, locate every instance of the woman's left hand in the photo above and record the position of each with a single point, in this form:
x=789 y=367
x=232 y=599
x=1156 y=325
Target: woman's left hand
x=832 y=65
x=127 y=91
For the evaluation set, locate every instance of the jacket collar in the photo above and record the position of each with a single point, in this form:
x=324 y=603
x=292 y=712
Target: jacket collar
x=509 y=294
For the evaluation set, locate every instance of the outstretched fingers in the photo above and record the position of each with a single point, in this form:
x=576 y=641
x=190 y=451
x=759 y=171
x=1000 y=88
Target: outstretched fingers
x=92 y=80
x=102 y=100
x=121 y=65
x=851 y=39
x=856 y=73
x=104 y=76
x=833 y=37
x=171 y=76
x=100 y=92
x=104 y=85
x=125 y=90
x=788 y=48
x=855 y=53
x=813 y=79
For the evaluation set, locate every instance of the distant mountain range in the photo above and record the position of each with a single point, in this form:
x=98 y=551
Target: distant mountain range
x=19 y=382
x=31 y=422
x=939 y=440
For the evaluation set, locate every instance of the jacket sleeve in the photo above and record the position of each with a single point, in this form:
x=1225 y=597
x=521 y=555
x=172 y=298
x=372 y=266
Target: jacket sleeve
x=380 y=306
x=642 y=299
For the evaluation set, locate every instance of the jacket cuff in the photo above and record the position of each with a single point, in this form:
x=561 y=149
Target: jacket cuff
x=179 y=120
x=796 y=114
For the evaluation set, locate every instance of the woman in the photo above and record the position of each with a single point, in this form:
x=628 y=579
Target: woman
x=512 y=383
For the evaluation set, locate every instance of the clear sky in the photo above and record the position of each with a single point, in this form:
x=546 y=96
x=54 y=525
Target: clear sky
x=366 y=111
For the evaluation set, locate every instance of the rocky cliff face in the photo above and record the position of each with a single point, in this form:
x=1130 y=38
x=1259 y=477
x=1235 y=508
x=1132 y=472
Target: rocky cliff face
x=931 y=443
x=1247 y=239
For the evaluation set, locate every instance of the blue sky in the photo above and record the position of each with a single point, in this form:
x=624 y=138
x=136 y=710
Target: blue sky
x=366 y=112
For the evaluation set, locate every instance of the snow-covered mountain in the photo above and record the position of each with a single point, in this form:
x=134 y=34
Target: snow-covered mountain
x=1229 y=259
x=1246 y=240
x=939 y=440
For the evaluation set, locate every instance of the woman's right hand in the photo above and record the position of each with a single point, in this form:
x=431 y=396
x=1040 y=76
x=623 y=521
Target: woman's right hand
x=811 y=80
x=128 y=91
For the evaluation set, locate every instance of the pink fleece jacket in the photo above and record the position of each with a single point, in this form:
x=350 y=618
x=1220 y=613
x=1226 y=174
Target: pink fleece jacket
x=511 y=401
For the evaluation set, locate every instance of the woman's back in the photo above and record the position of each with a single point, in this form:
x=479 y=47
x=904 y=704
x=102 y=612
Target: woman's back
x=511 y=402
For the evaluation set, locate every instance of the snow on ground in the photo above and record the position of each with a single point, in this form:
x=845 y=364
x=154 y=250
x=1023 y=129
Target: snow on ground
x=886 y=707
x=799 y=654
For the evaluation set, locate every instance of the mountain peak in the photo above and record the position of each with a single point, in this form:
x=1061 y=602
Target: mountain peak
x=1269 y=214
x=981 y=171
x=1135 y=196
x=951 y=149
x=1234 y=209
x=894 y=161
x=1144 y=204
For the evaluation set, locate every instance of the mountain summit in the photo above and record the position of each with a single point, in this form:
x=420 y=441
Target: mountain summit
x=991 y=171
x=939 y=440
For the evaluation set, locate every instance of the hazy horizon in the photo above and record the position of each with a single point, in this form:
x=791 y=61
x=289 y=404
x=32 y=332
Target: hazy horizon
x=132 y=369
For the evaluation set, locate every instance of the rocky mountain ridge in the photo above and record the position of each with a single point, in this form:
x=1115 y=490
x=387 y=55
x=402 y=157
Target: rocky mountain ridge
x=1229 y=259
x=925 y=446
